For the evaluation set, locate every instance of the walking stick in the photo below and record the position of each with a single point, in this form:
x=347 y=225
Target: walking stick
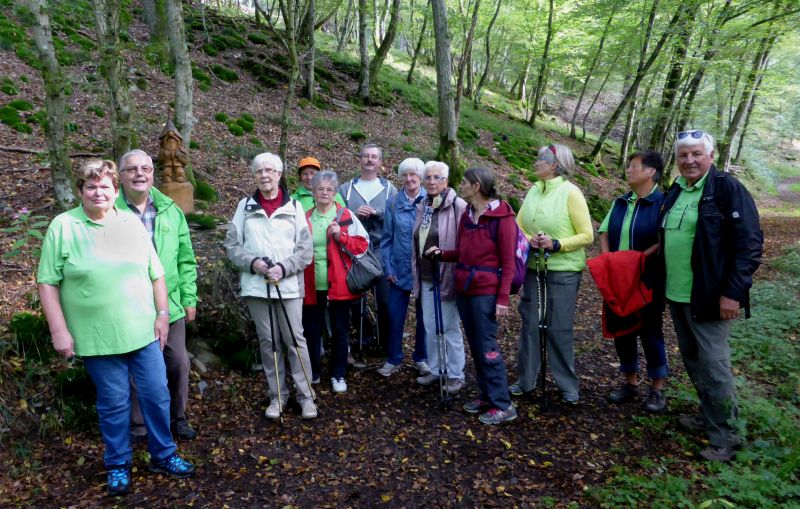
x=291 y=331
x=274 y=350
x=441 y=346
x=541 y=290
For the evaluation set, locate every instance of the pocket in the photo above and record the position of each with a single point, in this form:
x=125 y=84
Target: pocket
x=674 y=218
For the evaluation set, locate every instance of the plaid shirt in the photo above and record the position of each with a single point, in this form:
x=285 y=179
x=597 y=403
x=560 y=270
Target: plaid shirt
x=148 y=217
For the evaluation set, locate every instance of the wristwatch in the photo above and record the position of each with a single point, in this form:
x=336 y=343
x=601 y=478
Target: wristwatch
x=163 y=312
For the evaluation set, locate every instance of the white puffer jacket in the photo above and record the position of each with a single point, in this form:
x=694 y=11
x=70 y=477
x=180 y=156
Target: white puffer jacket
x=284 y=238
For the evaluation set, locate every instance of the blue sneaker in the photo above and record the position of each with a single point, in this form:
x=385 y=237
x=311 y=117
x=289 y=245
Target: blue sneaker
x=119 y=480
x=174 y=466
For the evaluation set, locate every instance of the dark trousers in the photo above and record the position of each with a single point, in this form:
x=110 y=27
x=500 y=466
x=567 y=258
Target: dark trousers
x=652 y=343
x=314 y=325
x=339 y=311
x=480 y=325
x=368 y=335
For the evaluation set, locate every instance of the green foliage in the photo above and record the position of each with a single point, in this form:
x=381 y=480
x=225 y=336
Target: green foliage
x=221 y=117
x=76 y=395
x=97 y=110
x=255 y=141
x=202 y=78
x=245 y=124
x=28 y=232
x=204 y=221
x=32 y=337
x=235 y=129
x=409 y=147
x=224 y=73
x=483 y=152
x=249 y=118
x=205 y=191
x=257 y=38
x=7 y=86
x=193 y=145
x=10 y=116
x=580 y=180
x=210 y=50
x=467 y=134
x=598 y=207
x=337 y=125
x=358 y=136
x=21 y=105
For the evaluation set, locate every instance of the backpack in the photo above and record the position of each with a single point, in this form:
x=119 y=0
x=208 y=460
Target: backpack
x=521 y=251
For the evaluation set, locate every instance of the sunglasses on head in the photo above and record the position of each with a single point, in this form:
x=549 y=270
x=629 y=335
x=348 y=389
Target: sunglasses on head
x=694 y=133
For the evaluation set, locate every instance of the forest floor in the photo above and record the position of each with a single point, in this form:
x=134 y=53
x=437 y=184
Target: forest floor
x=386 y=442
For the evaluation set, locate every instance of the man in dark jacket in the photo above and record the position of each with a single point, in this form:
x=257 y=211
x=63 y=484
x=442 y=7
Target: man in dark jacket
x=711 y=243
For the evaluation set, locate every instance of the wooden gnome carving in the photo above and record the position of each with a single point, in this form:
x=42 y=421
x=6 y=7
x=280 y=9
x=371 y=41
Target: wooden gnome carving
x=172 y=159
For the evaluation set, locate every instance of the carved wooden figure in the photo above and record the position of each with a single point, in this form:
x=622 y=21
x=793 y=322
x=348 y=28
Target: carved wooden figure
x=172 y=159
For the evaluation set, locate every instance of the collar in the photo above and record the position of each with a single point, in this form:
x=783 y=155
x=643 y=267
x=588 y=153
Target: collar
x=147 y=204
x=697 y=185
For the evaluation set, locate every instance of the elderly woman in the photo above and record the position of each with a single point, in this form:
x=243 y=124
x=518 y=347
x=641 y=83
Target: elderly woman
x=102 y=290
x=269 y=241
x=487 y=236
x=436 y=224
x=555 y=218
x=398 y=229
x=333 y=227
x=306 y=169
x=632 y=223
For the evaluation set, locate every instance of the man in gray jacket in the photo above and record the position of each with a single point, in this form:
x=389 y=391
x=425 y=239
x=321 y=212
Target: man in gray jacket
x=367 y=195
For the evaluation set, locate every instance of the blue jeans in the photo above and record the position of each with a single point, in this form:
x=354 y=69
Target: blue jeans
x=652 y=344
x=112 y=375
x=480 y=325
x=397 y=311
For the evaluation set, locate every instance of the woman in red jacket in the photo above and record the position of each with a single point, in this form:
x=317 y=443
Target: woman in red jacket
x=487 y=231
x=326 y=278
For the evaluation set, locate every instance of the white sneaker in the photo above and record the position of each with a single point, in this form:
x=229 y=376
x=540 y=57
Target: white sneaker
x=389 y=369
x=423 y=368
x=339 y=385
x=427 y=379
x=309 y=409
x=273 y=410
x=454 y=385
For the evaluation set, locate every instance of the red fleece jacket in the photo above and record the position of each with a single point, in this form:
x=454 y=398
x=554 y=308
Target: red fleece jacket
x=479 y=250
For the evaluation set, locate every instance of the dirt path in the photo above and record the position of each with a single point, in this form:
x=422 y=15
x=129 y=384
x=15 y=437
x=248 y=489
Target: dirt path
x=786 y=193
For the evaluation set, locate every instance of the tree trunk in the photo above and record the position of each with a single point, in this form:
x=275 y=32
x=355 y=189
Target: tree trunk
x=640 y=74
x=448 y=122
x=465 y=55
x=487 y=40
x=736 y=158
x=543 y=68
x=594 y=101
x=388 y=40
x=589 y=74
x=55 y=103
x=522 y=86
x=149 y=14
x=418 y=47
x=184 y=117
x=309 y=57
x=363 y=79
x=112 y=67
x=340 y=44
x=289 y=10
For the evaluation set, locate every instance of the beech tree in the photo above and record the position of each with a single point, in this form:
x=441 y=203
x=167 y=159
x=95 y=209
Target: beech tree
x=448 y=121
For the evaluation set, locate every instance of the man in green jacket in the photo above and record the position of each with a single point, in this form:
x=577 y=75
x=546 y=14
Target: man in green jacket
x=167 y=226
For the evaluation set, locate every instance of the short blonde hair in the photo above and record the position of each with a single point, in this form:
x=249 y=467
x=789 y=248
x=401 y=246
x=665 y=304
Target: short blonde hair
x=267 y=158
x=97 y=169
x=563 y=158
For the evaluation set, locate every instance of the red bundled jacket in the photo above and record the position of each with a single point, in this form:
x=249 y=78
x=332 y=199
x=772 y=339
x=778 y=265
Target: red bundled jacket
x=618 y=276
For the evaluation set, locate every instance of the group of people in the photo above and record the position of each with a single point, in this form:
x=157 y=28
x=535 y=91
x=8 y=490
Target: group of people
x=117 y=284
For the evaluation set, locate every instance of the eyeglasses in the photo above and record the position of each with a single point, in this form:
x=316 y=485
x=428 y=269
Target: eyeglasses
x=135 y=169
x=324 y=190
x=267 y=171
x=371 y=156
x=694 y=133
x=434 y=178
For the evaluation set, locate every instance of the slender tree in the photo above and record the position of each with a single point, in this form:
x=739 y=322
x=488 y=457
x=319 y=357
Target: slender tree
x=466 y=55
x=309 y=51
x=541 y=79
x=448 y=121
x=418 y=46
x=388 y=40
x=364 y=77
x=486 y=40
x=589 y=74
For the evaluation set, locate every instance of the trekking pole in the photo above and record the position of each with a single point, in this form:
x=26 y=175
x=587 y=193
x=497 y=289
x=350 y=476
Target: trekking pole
x=291 y=331
x=274 y=349
x=441 y=346
x=543 y=326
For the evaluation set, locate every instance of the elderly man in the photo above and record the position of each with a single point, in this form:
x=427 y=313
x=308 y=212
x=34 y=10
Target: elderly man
x=169 y=232
x=367 y=195
x=711 y=243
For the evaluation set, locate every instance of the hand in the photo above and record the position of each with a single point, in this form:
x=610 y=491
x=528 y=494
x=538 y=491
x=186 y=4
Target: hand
x=728 y=308
x=260 y=266
x=161 y=330
x=64 y=344
x=334 y=230
x=391 y=279
x=433 y=252
x=500 y=310
x=275 y=273
x=191 y=313
x=365 y=211
x=545 y=242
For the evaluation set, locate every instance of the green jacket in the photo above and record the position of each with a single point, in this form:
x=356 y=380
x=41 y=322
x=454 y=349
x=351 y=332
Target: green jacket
x=306 y=199
x=174 y=247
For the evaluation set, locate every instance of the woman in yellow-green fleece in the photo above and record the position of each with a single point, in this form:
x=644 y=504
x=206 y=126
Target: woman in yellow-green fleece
x=555 y=218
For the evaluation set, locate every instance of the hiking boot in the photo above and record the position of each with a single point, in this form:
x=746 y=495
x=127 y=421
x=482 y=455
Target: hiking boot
x=389 y=369
x=454 y=385
x=656 y=401
x=717 y=453
x=423 y=368
x=308 y=409
x=427 y=379
x=119 y=480
x=625 y=393
x=476 y=406
x=692 y=422
x=497 y=416
x=174 y=466
x=274 y=409
x=516 y=389
x=183 y=430
x=339 y=385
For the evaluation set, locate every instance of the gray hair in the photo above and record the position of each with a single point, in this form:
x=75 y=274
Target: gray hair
x=411 y=165
x=372 y=145
x=266 y=159
x=706 y=139
x=131 y=153
x=436 y=164
x=562 y=157
x=324 y=176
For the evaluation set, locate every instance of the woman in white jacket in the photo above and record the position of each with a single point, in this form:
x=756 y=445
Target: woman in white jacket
x=269 y=241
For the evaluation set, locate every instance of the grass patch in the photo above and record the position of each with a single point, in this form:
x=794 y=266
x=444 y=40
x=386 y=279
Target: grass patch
x=202 y=78
x=7 y=86
x=224 y=73
x=97 y=110
x=336 y=125
x=598 y=207
x=10 y=116
x=221 y=117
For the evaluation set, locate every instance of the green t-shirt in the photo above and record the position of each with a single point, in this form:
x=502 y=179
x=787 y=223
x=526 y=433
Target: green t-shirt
x=680 y=225
x=319 y=228
x=104 y=273
x=625 y=234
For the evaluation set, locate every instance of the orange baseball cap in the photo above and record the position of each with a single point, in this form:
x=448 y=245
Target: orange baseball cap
x=308 y=161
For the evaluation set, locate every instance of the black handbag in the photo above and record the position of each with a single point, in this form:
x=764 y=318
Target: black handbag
x=364 y=272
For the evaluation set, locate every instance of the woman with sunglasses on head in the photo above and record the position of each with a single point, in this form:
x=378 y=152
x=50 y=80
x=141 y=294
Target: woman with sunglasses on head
x=556 y=220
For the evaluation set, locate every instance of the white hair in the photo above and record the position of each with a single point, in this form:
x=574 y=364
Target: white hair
x=436 y=164
x=267 y=159
x=131 y=153
x=324 y=176
x=411 y=165
x=706 y=139
x=562 y=156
